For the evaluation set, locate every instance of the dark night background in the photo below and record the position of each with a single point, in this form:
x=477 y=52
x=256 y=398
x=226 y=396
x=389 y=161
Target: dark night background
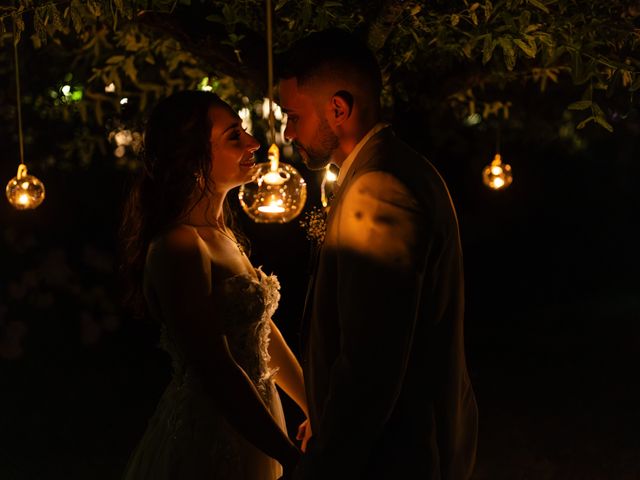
x=552 y=320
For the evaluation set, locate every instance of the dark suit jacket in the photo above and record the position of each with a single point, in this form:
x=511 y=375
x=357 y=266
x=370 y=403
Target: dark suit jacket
x=384 y=361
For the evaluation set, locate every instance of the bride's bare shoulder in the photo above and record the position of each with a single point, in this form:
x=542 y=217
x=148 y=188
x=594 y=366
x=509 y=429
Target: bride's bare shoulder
x=177 y=239
x=177 y=245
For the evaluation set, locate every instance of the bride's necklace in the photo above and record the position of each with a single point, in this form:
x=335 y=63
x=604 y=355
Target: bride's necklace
x=223 y=232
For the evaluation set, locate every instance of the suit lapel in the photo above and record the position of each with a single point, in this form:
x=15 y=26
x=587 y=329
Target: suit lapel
x=365 y=154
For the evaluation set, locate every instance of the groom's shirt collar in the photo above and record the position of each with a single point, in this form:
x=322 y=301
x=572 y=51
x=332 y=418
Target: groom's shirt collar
x=346 y=165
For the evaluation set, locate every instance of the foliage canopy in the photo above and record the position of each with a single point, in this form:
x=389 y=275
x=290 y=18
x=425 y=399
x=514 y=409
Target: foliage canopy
x=472 y=58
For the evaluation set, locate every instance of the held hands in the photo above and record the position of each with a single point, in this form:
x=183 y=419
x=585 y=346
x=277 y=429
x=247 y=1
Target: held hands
x=304 y=434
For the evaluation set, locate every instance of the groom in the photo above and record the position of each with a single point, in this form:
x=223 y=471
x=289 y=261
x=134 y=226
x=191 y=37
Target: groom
x=384 y=363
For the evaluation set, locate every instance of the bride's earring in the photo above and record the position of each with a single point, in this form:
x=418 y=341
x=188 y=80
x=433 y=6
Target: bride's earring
x=199 y=180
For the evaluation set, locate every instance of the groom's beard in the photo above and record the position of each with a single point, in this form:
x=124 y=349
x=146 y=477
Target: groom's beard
x=317 y=154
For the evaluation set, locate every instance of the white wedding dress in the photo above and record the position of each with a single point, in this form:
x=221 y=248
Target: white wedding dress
x=188 y=438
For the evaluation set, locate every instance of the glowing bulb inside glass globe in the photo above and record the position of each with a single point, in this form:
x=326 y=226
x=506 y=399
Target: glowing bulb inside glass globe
x=277 y=195
x=274 y=206
x=497 y=175
x=25 y=191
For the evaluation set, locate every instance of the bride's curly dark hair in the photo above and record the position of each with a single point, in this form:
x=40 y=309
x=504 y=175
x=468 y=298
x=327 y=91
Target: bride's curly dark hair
x=175 y=157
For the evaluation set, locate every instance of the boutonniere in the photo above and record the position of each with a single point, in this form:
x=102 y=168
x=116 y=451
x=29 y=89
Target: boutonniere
x=314 y=224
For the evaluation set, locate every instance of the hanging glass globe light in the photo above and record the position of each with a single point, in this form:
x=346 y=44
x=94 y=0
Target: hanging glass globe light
x=24 y=191
x=497 y=175
x=277 y=195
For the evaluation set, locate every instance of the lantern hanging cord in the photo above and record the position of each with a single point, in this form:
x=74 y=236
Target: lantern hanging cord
x=18 y=105
x=272 y=126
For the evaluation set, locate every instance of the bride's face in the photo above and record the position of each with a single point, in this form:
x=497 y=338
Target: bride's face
x=232 y=160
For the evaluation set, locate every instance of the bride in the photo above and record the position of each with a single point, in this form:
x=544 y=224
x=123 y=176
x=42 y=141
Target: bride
x=221 y=416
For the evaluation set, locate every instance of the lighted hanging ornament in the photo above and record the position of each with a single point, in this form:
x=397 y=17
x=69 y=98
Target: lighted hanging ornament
x=497 y=175
x=23 y=191
x=327 y=186
x=278 y=193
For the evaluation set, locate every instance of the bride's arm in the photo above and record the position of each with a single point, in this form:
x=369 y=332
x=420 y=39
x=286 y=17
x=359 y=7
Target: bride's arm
x=289 y=376
x=181 y=277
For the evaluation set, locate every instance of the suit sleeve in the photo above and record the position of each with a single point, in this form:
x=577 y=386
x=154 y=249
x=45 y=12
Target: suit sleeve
x=380 y=249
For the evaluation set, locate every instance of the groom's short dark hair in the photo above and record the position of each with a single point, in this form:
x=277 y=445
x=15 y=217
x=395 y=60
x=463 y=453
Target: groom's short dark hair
x=331 y=52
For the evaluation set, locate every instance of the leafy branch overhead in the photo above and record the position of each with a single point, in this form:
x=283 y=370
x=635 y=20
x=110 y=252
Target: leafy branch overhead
x=472 y=57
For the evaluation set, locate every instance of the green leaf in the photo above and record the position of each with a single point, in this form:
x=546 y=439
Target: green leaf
x=539 y=4
x=597 y=111
x=130 y=69
x=488 y=10
x=487 y=48
x=529 y=49
x=94 y=8
x=603 y=123
x=580 y=105
x=545 y=38
x=115 y=59
x=583 y=123
x=508 y=52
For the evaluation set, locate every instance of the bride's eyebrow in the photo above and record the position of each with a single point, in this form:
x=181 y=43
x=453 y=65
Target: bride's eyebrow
x=233 y=125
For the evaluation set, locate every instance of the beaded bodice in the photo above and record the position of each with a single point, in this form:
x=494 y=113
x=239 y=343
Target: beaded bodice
x=246 y=307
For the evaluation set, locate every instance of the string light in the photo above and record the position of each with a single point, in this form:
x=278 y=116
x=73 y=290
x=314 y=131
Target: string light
x=23 y=191
x=279 y=192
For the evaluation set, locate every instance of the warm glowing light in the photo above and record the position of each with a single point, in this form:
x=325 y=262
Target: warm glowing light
x=274 y=178
x=110 y=88
x=66 y=90
x=120 y=151
x=473 y=119
x=123 y=137
x=277 y=111
x=25 y=191
x=277 y=195
x=328 y=185
x=124 y=101
x=245 y=116
x=274 y=206
x=205 y=86
x=497 y=175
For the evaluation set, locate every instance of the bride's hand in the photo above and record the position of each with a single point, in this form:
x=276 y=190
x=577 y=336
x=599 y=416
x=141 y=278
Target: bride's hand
x=304 y=434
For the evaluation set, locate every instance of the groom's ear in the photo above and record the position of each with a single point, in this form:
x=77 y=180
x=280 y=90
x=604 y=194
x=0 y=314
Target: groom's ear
x=341 y=106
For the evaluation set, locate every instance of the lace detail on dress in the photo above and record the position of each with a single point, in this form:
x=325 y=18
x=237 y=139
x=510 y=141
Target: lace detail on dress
x=247 y=306
x=188 y=437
